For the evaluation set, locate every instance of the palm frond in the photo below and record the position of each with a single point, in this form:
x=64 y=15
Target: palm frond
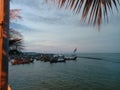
x=15 y=40
x=15 y=34
x=92 y=10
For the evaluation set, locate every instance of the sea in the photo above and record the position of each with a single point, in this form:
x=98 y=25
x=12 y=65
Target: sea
x=91 y=71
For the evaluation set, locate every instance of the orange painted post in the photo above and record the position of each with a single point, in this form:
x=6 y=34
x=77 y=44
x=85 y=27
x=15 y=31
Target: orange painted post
x=4 y=42
x=1 y=20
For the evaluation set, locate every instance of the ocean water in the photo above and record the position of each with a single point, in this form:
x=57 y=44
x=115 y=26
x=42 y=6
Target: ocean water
x=83 y=74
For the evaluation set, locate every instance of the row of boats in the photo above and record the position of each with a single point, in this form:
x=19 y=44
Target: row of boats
x=51 y=59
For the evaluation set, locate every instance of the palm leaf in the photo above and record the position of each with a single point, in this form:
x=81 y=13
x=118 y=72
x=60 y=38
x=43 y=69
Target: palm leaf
x=15 y=40
x=92 y=10
x=15 y=34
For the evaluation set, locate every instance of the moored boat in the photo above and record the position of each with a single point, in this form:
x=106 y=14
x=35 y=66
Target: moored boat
x=71 y=58
x=17 y=61
x=57 y=58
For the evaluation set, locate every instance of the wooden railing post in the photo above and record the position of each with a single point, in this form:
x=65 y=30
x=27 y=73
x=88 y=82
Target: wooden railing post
x=4 y=43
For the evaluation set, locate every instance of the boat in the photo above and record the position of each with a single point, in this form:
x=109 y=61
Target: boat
x=61 y=58
x=17 y=61
x=57 y=58
x=73 y=56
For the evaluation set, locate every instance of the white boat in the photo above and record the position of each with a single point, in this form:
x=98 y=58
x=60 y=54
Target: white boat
x=73 y=56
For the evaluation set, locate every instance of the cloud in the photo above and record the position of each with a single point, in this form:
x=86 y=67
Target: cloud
x=47 y=28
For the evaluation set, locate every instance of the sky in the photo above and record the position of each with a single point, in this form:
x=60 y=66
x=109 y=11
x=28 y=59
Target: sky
x=48 y=29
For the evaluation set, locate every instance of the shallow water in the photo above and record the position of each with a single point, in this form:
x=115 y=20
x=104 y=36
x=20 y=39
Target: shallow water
x=83 y=74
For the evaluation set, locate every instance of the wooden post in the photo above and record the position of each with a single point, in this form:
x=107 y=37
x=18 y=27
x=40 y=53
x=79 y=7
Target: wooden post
x=4 y=42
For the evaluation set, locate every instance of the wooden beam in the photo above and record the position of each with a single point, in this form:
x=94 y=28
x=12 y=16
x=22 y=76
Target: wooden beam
x=4 y=42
